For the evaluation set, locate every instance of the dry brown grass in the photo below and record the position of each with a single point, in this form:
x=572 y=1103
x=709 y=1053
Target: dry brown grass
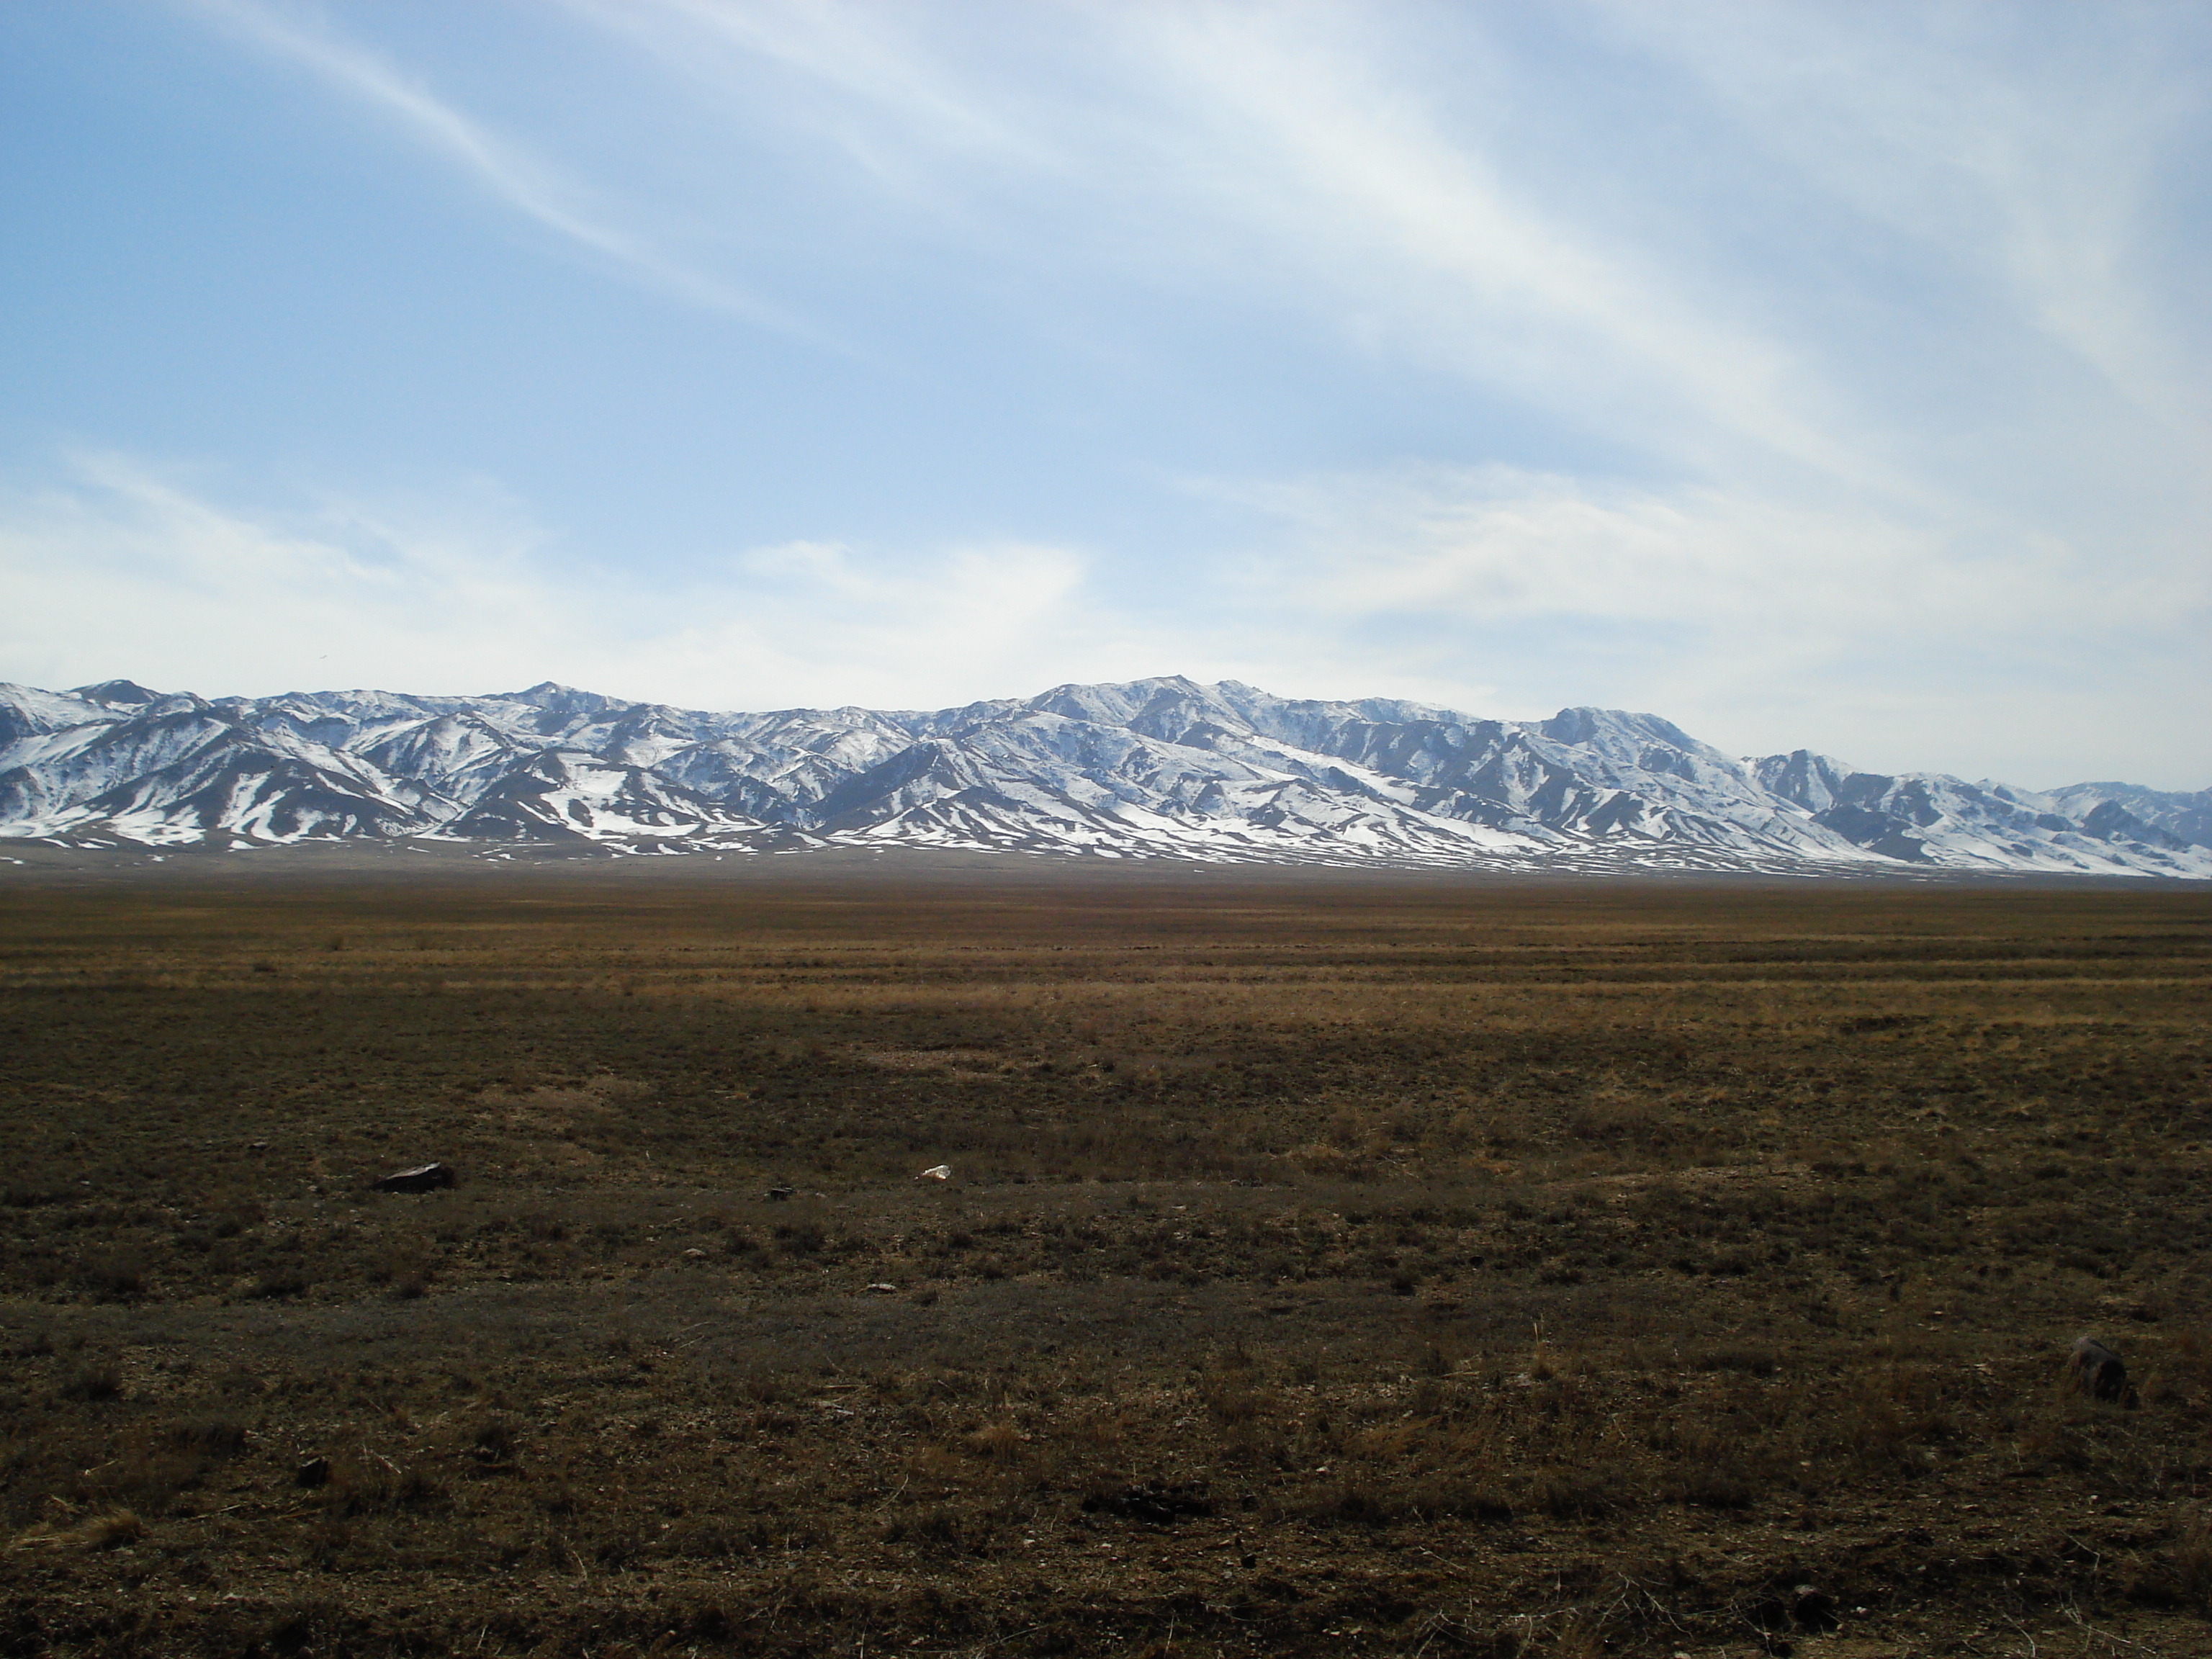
x=109 y=1530
x=1336 y=1263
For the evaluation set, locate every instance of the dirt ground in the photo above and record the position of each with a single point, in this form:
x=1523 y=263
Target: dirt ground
x=1413 y=1264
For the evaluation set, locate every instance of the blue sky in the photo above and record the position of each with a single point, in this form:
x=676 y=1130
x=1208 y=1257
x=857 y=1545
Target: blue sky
x=1812 y=375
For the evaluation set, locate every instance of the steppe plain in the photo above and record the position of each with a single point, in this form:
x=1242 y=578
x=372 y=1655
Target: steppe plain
x=1413 y=1264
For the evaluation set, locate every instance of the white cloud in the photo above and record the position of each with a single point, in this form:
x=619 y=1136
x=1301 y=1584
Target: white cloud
x=117 y=565
x=1758 y=623
x=118 y=568
x=1498 y=543
x=122 y=571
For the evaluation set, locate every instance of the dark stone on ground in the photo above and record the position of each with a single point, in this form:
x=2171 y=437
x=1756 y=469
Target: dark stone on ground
x=1159 y=1502
x=2096 y=1370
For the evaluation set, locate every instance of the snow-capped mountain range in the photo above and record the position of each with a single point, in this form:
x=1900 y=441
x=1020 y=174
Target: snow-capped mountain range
x=1153 y=767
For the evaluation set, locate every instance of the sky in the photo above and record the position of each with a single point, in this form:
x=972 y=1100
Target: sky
x=1834 y=376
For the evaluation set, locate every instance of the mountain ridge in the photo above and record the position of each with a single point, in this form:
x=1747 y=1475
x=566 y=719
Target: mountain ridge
x=1159 y=767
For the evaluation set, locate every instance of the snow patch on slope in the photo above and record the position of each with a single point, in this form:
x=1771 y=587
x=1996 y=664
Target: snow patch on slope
x=1156 y=767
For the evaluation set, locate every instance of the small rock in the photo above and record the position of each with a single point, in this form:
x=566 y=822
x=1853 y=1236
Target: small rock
x=884 y=1289
x=423 y=1178
x=942 y=1172
x=780 y=1194
x=2096 y=1370
x=1813 y=1608
x=696 y=1255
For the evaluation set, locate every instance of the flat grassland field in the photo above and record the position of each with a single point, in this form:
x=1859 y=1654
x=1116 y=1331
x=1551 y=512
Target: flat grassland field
x=1411 y=1264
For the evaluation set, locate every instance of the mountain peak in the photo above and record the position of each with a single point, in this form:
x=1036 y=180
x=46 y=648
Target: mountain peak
x=1585 y=723
x=116 y=693
x=556 y=698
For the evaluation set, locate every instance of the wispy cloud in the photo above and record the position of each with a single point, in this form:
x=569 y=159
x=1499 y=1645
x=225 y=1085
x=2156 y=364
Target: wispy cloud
x=511 y=172
x=863 y=56
x=1415 y=225
x=1307 y=158
x=2029 y=154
